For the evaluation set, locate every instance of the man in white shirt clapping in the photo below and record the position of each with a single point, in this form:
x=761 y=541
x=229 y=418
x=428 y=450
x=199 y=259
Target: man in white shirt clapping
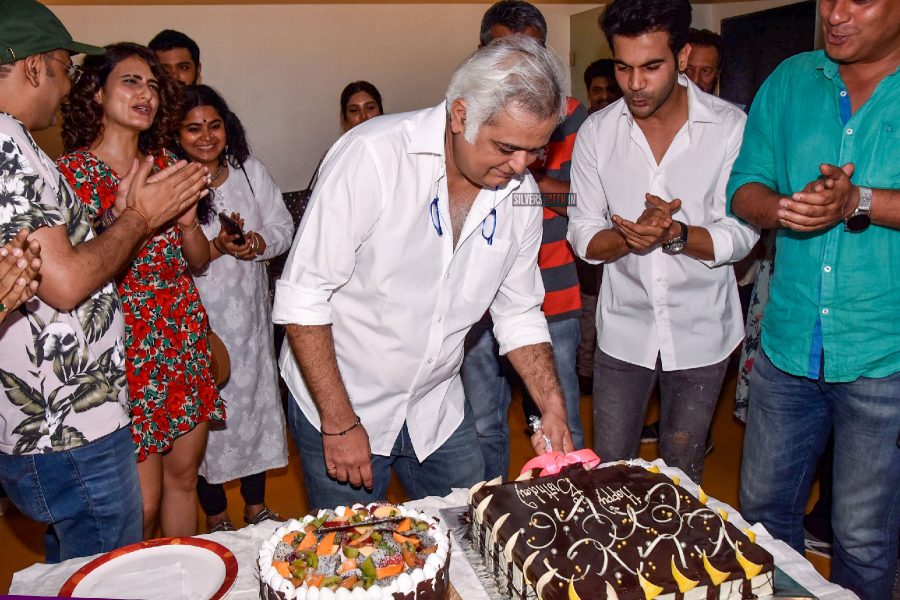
x=419 y=223
x=649 y=175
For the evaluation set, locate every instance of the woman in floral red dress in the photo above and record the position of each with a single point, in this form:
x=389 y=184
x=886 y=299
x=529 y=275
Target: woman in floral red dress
x=117 y=114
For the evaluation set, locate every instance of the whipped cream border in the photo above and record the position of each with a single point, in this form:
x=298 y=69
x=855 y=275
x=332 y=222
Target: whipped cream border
x=404 y=584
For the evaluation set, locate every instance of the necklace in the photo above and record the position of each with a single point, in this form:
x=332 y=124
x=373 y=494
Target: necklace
x=218 y=174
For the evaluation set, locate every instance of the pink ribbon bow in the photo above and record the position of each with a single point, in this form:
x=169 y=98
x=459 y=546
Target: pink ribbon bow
x=552 y=462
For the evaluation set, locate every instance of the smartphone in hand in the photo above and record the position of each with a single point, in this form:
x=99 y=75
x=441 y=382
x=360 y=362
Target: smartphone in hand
x=232 y=227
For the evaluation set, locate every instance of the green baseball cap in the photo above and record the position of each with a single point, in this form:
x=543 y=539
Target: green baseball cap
x=28 y=27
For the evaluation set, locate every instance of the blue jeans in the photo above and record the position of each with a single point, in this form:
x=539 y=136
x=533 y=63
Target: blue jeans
x=788 y=424
x=90 y=496
x=452 y=465
x=486 y=380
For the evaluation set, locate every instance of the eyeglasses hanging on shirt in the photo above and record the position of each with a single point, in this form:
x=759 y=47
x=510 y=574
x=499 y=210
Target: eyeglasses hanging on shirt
x=492 y=219
x=488 y=225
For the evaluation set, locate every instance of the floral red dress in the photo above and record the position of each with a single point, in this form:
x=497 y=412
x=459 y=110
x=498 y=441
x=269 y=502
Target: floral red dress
x=168 y=359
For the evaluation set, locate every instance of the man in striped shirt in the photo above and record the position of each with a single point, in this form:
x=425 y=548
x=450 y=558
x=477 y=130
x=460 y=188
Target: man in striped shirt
x=486 y=376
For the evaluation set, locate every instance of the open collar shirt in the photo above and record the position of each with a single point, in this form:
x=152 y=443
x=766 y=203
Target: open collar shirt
x=683 y=310
x=374 y=258
x=834 y=294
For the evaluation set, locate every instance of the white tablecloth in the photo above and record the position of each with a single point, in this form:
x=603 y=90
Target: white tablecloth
x=46 y=580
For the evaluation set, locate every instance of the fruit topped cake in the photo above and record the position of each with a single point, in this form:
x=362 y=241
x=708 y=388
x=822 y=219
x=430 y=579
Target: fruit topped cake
x=371 y=552
x=618 y=531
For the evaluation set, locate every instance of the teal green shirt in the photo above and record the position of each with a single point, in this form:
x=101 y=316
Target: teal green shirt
x=833 y=292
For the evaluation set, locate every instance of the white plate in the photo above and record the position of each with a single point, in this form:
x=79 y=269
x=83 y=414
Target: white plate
x=172 y=569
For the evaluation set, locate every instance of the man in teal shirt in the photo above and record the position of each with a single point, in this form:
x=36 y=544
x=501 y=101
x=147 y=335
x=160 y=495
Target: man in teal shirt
x=820 y=162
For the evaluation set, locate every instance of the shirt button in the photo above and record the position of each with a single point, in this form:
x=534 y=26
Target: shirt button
x=827 y=268
x=448 y=274
x=849 y=131
x=439 y=319
x=843 y=93
x=824 y=311
x=430 y=360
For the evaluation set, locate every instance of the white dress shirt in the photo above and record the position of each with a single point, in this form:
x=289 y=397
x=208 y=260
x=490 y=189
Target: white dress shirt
x=682 y=309
x=368 y=259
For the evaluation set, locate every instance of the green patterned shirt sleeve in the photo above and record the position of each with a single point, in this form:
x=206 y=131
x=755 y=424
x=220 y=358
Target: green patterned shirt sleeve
x=26 y=201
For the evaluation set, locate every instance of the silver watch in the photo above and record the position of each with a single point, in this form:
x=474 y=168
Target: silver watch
x=860 y=220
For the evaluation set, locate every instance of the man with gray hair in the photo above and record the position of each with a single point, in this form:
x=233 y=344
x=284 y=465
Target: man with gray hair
x=413 y=232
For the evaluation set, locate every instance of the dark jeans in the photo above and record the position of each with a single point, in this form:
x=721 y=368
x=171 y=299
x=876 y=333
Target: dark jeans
x=788 y=425
x=486 y=380
x=212 y=495
x=687 y=400
x=90 y=496
x=457 y=463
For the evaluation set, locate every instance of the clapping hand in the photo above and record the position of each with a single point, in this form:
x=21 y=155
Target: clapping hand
x=20 y=261
x=653 y=227
x=823 y=202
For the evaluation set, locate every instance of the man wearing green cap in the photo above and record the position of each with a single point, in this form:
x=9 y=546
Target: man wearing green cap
x=66 y=455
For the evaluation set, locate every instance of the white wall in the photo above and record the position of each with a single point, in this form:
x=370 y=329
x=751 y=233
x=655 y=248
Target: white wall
x=282 y=67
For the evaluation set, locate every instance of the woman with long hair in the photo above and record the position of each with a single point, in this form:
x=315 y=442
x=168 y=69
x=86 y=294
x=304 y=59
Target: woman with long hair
x=360 y=101
x=121 y=110
x=234 y=290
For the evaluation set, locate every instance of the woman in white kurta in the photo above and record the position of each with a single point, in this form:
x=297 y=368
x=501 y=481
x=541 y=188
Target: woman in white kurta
x=234 y=290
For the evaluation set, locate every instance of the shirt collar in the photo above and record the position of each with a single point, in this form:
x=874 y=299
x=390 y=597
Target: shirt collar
x=428 y=136
x=700 y=105
x=831 y=69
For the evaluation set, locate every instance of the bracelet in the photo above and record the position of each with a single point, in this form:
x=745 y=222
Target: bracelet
x=193 y=229
x=143 y=216
x=348 y=430
x=219 y=248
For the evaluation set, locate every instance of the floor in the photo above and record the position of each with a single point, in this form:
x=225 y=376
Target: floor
x=21 y=539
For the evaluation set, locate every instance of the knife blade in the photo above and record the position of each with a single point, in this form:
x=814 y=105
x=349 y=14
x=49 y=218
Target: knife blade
x=348 y=525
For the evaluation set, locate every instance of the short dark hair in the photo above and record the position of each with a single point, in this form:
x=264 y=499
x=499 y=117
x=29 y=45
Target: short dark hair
x=169 y=39
x=514 y=14
x=705 y=37
x=605 y=67
x=354 y=88
x=631 y=18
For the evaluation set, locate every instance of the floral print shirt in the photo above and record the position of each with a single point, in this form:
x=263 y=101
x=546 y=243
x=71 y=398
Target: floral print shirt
x=62 y=374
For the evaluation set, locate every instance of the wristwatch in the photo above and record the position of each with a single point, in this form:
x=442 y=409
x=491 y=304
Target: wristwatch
x=860 y=220
x=677 y=244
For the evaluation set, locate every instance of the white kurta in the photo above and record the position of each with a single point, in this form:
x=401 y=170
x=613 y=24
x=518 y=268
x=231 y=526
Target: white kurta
x=236 y=296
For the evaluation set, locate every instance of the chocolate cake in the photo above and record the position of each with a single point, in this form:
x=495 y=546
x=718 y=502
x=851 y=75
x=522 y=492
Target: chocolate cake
x=373 y=552
x=617 y=531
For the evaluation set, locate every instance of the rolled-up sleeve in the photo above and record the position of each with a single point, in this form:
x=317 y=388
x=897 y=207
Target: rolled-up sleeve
x=342 y=212
x=516 y=309
x=732 y=239
x=589 y=214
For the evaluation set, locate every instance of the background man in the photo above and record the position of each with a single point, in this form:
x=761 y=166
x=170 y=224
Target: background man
x=649 y=173
x=411 y=235
x=485 y=375
x=178 y=54
x=819 y=164
x=66 y=454
x=704 y=62
x=601 y=85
